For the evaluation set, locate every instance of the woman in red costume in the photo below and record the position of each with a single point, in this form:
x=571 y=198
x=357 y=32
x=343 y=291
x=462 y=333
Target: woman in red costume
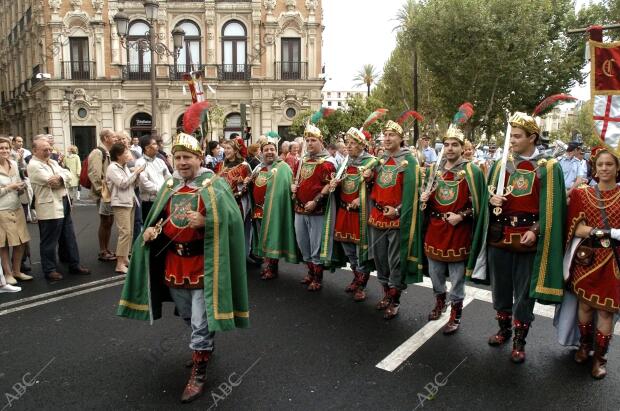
x=594 y=215
x=235 y=169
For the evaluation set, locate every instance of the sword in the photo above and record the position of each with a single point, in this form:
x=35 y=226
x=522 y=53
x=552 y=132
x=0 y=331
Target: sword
x=341 y=170
x=301 y=163
x=430 y=185
x=499 y=190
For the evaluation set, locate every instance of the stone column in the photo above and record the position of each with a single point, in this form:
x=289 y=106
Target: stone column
x=117 y=114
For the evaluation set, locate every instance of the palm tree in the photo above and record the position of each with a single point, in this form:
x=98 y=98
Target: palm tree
x=366 y=76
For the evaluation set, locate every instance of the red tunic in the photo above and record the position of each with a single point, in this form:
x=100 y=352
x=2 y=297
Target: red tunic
x=293 y=162
x=347 y=226
x=388 y=190
x=315 y=174
x=524 y=198
x=258 y=192
x=183 y=271
x=234 y=175
x=443 y=241
x=597 y=284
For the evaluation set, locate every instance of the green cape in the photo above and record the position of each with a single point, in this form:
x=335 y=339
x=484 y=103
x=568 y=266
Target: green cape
x=276 y=238
x=547 y=281
x=332 y=254
x=225 y=282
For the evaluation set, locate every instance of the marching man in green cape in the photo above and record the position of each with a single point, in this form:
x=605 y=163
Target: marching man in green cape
x=189 y=253
x=346 y=223
x=526 y=233
x=456 y=200
x=272 y=210
x=395 y=243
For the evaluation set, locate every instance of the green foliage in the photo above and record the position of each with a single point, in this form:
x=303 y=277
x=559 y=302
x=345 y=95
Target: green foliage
x=367 y=76
x=341 y=120
x=499 y=54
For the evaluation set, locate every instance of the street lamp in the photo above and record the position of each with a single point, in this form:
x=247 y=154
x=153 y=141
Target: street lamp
x=150 y=43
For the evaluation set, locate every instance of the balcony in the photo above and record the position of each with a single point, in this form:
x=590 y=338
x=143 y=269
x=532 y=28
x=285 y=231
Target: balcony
x=291 y=70
x=177 y=73
x=78 y=70
x=233 y=71
x=137 y=72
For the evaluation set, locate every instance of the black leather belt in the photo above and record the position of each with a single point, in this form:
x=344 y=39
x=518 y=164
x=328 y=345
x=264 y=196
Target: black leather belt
x=604 y=242
x=516 y=220
x=188 y=249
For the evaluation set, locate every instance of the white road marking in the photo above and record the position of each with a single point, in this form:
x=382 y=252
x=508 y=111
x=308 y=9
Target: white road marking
x=406 y=349
x=62 y=297
x=61 y=291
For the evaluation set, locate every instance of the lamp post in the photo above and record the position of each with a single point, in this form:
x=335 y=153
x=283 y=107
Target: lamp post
x=152 y=45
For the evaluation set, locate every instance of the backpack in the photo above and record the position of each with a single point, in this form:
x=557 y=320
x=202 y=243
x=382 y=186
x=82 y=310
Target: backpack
x=84 y=179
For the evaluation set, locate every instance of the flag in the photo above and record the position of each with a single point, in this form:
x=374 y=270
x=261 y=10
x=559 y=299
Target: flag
x=605 y=89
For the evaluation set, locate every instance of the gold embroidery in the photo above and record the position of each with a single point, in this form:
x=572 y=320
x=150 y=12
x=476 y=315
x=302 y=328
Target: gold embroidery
x=134 y=306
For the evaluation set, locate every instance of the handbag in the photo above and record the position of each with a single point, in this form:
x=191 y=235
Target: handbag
x=584 y=254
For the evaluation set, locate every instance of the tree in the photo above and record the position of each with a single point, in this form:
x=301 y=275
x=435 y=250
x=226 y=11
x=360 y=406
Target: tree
x=366 y=76
x=341 y=120
x=483 y=51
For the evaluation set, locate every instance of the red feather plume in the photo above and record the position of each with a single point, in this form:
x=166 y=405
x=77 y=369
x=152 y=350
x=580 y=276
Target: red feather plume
x=466 y=111
x=408 y=114
x=192 y=116
x=547 y=104
x=367 y=134
x=374 y=116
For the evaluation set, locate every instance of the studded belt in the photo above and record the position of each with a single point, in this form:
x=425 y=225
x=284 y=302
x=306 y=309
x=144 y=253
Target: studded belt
x=516 y=220
x=189 y=249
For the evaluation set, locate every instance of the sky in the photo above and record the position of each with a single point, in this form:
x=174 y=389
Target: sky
x=359 y=32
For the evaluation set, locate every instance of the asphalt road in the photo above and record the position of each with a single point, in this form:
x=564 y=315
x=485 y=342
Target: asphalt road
x=304 y=351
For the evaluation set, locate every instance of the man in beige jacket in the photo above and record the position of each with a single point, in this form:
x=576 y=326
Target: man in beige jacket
x=98 y=162
x=49 y=182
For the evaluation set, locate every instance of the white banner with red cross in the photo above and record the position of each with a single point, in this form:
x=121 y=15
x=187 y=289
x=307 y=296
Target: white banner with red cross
x=605 y=89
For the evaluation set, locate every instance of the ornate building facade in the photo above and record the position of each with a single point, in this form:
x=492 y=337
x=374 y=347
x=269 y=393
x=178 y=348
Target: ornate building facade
x=64 y=70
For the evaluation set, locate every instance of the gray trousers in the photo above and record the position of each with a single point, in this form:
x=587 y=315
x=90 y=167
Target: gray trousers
x=350 y=250
x=456 y=272
x=386 y=250
x=308 y=230
x=511 y=274
x=190 y=304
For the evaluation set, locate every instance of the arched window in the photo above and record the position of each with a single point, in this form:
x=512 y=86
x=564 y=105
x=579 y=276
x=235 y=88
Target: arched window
x=234 y=39
x=180 y=124
x=138 y=61
x=190 y=56
x=140 y=125
x=232 y=124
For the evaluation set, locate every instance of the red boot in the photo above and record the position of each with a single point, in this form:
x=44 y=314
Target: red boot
x=599 y=366
x=455 y=318
x=504 y=319
x=309 y=277
x=440 y=307
x=270 y=269
x=585 y=342
x=385 y=301
x=317 y=279
x=361 y=280
x=198 y=377
x=518 y=342
x=392 y=310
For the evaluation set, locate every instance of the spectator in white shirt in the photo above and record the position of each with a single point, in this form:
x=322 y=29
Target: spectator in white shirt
x=154 y=176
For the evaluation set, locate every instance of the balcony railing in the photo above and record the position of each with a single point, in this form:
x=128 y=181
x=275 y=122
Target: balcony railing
x=233 y=72
x=177 y=73
x=137 y=72
x=291 y=70
x=78 y=70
